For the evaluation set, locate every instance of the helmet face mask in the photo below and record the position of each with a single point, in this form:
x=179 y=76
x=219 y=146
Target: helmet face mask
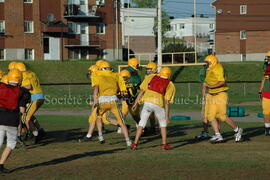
x=126 y=79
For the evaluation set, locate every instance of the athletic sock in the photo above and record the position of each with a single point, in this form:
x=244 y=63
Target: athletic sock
x=236 y=129
x=267 y=125
x=89 y=135
x=127 y=139
x=100 y=133
x=217 y=134
x=35 y=133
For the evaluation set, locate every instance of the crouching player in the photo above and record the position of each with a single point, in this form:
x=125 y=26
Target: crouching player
x=157 y=92
x=13 y=101
x=217 y=99
x=31 y=82
x=106 y=88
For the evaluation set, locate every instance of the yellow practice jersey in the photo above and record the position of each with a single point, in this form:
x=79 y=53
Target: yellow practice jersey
x=155 y=97
x=94 y=76
x=109 y=83
x=214 y=76
x=30 y=78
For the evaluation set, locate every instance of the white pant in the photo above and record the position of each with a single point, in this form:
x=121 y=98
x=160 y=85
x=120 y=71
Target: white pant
x=148 y=109
x=11 y=133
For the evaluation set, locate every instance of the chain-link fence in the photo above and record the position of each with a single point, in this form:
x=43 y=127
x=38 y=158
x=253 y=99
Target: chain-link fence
x=79 y=95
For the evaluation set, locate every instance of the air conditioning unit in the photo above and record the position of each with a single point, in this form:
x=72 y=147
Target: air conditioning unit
x=100 y=2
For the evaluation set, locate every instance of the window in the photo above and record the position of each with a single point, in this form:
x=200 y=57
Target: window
x=28 y=1
x=74 y=28
x=28 y=26
x=2 y=54
x=100 y=2
x=100 y=28
x=243 y=9
x=211 y=26
x=29 y=54
x=2 y=27
x=2 y=0
x=243 y=34
x=46 y=45
x=182 y=26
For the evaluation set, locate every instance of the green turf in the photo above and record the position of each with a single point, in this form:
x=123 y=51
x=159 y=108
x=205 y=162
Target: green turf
x=60 y=156
x=75 y=71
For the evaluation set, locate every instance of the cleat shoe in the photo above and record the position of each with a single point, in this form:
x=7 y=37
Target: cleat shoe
x=101 y=139
x=129 y=143
x=166 y=147
x=85 y=139
x=216 y=139
x=203 y=135
x=4 y=170
x=134 y=146
x=238 y=135
x=267 y=131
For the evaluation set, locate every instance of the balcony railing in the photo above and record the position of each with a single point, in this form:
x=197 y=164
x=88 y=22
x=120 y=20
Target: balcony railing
x=94 y=41
x=82 y=11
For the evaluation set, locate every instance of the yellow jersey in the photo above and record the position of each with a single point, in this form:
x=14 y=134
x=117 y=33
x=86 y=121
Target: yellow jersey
x=215 y=75
x=109 y=83
x=30 y=78
x=94 y=75
x=155 y=97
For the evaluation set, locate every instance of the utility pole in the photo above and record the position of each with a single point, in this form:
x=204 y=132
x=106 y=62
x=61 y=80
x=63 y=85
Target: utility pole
x=159 y=34
x=195 y=30
x=117 y=33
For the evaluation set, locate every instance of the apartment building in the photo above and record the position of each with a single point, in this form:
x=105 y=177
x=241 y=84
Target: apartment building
x=242 y=29
x=184 y=28
x=59 y=29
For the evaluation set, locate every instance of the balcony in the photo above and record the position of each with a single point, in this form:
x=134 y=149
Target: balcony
x=54 y=27
x=74 y=11
x=93 y=42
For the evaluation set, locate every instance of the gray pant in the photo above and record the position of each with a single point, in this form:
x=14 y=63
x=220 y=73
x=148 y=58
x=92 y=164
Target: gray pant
x=11 y=133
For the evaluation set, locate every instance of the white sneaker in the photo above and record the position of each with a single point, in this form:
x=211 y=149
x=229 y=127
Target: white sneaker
x=216 y=139
x=238 y=135
x=129 y=143
x=119 y=130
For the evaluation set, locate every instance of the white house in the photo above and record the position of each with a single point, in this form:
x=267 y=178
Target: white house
x=138 y=27
x=183 y=28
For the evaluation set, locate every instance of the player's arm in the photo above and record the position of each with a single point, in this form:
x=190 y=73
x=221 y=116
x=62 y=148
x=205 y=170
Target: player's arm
x=134 y=107
x=95 y=96
x=262 y=85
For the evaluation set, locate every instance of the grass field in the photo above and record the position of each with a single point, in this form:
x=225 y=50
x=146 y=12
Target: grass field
x=60 y=156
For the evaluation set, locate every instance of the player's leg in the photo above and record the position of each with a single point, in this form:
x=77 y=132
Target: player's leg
x=118 y=115
x=266 y=113
x=145 y=113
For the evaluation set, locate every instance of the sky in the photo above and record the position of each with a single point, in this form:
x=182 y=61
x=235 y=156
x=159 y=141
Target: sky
x=184 y=8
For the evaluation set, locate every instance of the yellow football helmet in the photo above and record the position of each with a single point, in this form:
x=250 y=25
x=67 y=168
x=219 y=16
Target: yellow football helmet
x=133 y=62
x=151 y=68
x=93 y=68
x=211 y=60
x=165 y=72
x=268 y=54
x=20 y=66
x=14 y=76
x=12 y=65
x=105 y=66
x=125 y=73
x=5 y=79
x=99 y=62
